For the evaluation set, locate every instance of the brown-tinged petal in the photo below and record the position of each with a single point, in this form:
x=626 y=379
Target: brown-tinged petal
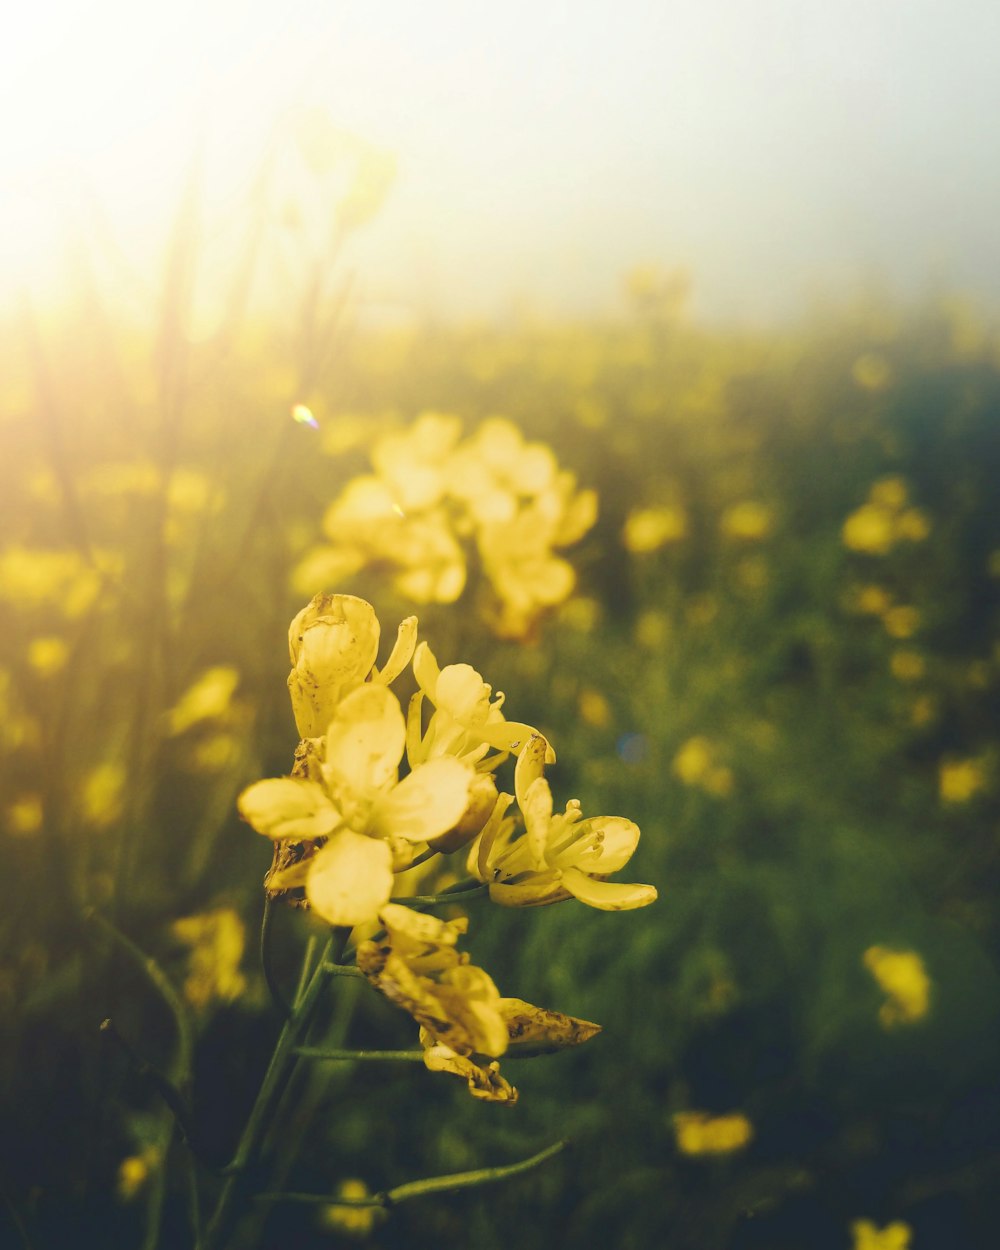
x=536 y=1031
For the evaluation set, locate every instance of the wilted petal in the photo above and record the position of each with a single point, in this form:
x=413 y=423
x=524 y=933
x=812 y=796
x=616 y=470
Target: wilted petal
x=427 y=803
x=350 y=879
x=288 y=808
x=365 y=740
x=484 y=1079
x=332 y=644
x=536 y=1031
x=606 y=895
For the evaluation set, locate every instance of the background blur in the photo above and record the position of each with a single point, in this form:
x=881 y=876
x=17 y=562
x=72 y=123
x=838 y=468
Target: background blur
x=737 y=267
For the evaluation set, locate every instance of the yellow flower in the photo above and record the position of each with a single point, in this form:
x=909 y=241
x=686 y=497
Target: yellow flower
x=560 y=855
x=868 y=1236
x=333 y=644
x=870 y=529
x=102 y=794
x=368 y=526
x=872 y=371
x=901 y=621
x=872 y=601
x=693 y=761
x=418 y=968
x=750 y=521
x=889 y=492
x=346 y=1218
x=699 y=1133
x=47 y=656
x=907 y=665
x=467 y=721
x=25 y=815
x=913 y=525
x=900 y=975
x=357 y=802
x=648 y=529
x=217 y=939
x=413 y=463
x=207 y=699
x=960 y=780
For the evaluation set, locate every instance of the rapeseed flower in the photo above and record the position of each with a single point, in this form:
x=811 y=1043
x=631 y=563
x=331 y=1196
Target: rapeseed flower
x=560 y=855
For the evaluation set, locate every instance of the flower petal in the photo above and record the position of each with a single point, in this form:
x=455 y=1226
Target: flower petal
x=426 y=804
x=536 y=1031
x=350 y=879
x=365 y=740
x=606 y=895
x=332 y=644
x=536 y=808
x=402 y=652
x=484 y=1079
x=288 y=808
x=425 y=669
x=602 y=844
x=529 y=765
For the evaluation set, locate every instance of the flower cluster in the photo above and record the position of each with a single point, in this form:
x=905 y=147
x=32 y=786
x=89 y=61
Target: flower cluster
x=433 y=493
x=374 y=788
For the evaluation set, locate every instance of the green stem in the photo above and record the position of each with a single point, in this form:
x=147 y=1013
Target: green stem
x=451 y=895
x=159 y=979
x=331 y=1054
x=266 y=929
x=420 y=1189
x=276 y=1078
x=342 y=970
x=306 y=970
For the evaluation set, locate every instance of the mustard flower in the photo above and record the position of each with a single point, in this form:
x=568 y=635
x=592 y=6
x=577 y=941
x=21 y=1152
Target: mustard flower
x=350 y=794
x=560 y=855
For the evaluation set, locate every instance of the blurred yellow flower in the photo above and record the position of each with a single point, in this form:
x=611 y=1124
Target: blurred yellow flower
x=133 y=1173
x=868 y=1236
x=872 y=371
x=102 y=794
x=749 y=520
x=872 y=600
x=25 y=815
x=889 y=492
x=693 y=761
x=35 y=577
x=870 y=529
x=648 y=529
x=217 y=939
x=594 y=708
x=960 y=780
x=208 y=698
x=913 y=525
x=700 y=1133
x=346 y=1219
x=901 y=975
x=48 y=656
x=901 y=621
x=907 y=665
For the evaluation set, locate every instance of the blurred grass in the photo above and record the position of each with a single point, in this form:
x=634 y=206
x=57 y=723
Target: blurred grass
x=733 y=683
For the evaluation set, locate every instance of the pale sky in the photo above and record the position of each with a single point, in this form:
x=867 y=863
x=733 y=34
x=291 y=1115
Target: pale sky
x=776 y=148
